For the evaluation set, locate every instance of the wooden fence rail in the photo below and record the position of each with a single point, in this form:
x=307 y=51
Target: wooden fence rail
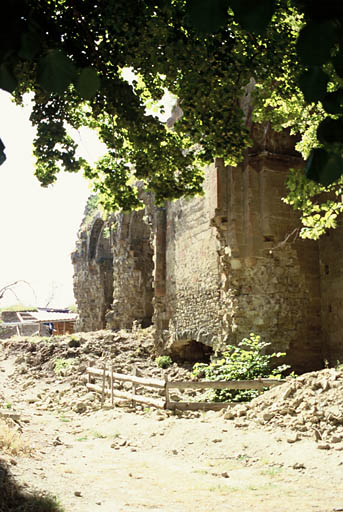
x=152 y=383
x=109 y=388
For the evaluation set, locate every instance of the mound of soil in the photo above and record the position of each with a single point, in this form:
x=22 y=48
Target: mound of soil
x=310 y=405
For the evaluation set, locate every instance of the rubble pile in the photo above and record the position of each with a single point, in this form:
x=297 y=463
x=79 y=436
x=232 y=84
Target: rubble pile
x=61 y=362
x=52 y=372
x=311 y=405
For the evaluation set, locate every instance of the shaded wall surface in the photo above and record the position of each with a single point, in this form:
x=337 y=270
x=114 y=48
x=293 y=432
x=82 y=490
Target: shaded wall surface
x=210 y=270
x=331 y=273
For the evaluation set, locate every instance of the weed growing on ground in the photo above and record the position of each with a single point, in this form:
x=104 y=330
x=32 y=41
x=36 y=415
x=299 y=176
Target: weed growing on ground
x=74 y=337
x=64 y=419
x=273 y=471
x=163 y=361
x=97 y=435
x=40 y=503
x=11 y=441
x=83 y=438
x=15 y=498
x=222 y=489
x=61 y=365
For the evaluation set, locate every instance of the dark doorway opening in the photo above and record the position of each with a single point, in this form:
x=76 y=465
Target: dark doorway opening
x=191 y=352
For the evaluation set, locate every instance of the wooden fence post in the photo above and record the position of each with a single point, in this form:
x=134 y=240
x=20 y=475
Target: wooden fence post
x=166 y=392
x=103 y=385
x=112 y=399
x=134 y=387
x=89 y=379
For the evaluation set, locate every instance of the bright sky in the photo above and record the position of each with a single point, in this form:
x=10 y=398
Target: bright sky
x=38 y=225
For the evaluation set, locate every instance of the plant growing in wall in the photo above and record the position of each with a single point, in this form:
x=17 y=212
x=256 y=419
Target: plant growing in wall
x=247 y=361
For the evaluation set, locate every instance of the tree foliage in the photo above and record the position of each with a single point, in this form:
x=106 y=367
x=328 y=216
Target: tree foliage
x=72 y=55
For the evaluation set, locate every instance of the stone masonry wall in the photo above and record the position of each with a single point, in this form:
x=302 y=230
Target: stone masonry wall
x=93 y=275
x=234 y=264
x=331 y=272
x=133 y=269
x=269 y=278
x=7 y=331
x=113 y=267
x=191 y=287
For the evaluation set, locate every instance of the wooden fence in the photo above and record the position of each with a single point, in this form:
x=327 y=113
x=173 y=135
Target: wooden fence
x=110 y=379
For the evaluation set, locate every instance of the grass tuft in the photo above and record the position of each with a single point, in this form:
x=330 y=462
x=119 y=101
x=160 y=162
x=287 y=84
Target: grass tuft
x=11 y=442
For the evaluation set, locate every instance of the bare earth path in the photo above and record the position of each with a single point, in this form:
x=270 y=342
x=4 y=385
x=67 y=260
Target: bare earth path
x=114 y=460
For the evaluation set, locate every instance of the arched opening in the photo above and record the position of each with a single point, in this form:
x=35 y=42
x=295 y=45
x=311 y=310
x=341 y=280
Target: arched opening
x=100 y=267
x=190 y=351
x=94 y=237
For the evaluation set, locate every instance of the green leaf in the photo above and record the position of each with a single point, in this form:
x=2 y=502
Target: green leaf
x=88 y=83
x=333 y=102
x=2 y=154
x=56 y=71
x=207 y=16
x=253 y=15
x=313 y=84
x=315 y=42
x=330 y=131
x=324 y=167
x=8 y=81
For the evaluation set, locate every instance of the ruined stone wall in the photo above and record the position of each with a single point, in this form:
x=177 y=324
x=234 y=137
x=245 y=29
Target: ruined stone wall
x=132 y=272
x=233 y=264
x=331 y=272
x=191 y=293
x=210 y=270
x=93 y=274
x=270 y=279
x=113 y=267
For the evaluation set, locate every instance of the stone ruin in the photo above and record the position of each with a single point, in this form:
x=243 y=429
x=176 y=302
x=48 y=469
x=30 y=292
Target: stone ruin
x=208 y=271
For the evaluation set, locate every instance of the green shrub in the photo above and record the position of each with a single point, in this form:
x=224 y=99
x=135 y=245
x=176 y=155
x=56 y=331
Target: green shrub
x=62 y=365
x=163 y=361
x=243 y=362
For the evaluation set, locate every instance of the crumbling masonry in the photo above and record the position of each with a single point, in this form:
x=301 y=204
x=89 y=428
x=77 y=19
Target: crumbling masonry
x=210 y=270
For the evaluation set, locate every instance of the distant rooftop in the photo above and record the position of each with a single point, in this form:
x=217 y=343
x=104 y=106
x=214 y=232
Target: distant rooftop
x=41 y=315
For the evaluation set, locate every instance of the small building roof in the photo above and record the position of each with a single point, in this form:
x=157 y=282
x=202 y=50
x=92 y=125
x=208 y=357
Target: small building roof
x=42 y=315
x=46 y=316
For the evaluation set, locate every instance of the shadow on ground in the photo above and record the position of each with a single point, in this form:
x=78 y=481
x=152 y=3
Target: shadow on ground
x=14 y=498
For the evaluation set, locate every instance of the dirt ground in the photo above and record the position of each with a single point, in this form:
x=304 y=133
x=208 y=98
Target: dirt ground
x=118 y=459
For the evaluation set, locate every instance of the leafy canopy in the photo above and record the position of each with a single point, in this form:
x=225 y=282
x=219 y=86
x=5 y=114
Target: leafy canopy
x=71 y=55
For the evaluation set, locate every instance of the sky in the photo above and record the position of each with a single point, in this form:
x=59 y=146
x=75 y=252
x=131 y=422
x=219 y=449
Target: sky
x=38 y=229
x=39 y=226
